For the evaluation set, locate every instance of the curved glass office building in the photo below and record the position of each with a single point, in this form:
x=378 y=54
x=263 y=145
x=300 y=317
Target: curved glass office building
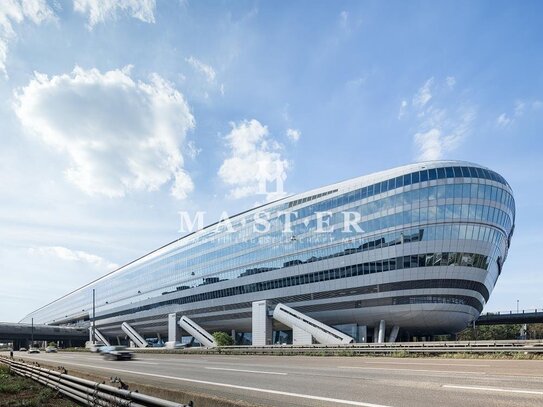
x=419 y=246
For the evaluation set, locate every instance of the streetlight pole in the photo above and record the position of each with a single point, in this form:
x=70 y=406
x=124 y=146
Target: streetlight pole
x=32 y=334
x=517 y=307
x=93 y=316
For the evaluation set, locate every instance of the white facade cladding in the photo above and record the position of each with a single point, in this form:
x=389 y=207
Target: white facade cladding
x=431 y=243
x=261 y=324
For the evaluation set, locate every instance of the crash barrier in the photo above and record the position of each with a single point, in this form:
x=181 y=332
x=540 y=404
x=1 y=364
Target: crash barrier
x=87 y=392
x=475 y=347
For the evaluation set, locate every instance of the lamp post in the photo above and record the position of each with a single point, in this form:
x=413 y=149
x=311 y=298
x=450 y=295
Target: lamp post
x=32 y=334
x=93 y=316
x=517 y=307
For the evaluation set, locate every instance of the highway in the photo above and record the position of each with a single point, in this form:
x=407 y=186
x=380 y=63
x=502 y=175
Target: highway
x=325 y=381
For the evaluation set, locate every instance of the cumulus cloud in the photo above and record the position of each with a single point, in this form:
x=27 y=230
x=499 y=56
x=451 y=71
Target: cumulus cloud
x=119 y=134
x=66 y=254
x=441 y=124
x=206 y=70
x=16 y=12
x=255 y=164
x=99 y=11
x=294 y=135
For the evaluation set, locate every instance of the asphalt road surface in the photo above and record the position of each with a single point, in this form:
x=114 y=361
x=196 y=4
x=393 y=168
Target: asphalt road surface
x=327 y=381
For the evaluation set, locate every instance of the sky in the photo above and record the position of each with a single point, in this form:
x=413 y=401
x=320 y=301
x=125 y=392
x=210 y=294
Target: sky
x=117 y=115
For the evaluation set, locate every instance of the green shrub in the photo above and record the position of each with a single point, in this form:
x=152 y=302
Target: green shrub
x=223 y=339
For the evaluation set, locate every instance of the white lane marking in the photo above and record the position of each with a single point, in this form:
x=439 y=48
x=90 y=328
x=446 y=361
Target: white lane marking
x=234 y=386
x=411 y=370
x=495 y=389
x=427 y=364
x=143 y=363
x=246 y=371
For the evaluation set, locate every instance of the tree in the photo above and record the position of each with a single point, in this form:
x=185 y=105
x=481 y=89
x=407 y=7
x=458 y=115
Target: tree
x=490 y=332
x=52 y=344
x=223 y=339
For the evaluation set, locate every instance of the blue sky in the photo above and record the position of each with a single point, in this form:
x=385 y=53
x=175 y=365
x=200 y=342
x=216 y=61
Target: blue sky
x=116 y=115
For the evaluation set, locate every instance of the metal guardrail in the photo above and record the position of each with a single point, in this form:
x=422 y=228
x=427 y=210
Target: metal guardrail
x=515 y=346
x=84 y=391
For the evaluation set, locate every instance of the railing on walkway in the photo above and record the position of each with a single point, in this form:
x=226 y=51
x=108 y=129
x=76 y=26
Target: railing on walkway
x=84 y=391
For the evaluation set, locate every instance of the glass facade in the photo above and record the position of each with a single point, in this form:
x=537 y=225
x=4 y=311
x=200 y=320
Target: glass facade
x=418 y=207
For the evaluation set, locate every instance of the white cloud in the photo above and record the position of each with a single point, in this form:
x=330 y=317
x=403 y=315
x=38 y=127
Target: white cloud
x=66 y=254
x=451 y=81
x=344 y=18
x=294 y=134
x=255 y=164
x=120 y=135
x=99 y=11
x=503 y=120
x=519 y=108
x=440 y=130
x=403 y=108
x=16 y=12
x=424 y=94
x=206 y=70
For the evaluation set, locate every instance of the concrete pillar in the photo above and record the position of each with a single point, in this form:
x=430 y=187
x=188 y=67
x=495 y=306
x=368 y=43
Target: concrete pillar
x=362 y=334
x=233 y=335
x=394 y=333
x=382 y=327
x=262 y=324
x=301 y=337
x=375 y=334
x=174 y=331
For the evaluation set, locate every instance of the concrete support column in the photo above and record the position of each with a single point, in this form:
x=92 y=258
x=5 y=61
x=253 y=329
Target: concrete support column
x=174 y=331
x=262 y=324
x=233 y=335
x=394 y=333
x=376 y=334
x=382 y=327
x=362 y=334
x=301 y=337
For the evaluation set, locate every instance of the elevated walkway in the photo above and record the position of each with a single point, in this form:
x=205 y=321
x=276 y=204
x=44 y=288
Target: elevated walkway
x=511 y=317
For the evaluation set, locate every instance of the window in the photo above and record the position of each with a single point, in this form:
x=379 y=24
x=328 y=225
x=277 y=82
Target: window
x=423 y=175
